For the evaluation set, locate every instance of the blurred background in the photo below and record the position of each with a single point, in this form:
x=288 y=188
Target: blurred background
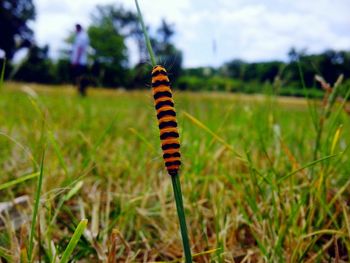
x=265 y=178
x=223 y=45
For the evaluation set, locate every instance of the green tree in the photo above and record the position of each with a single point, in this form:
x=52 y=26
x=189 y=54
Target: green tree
x=330 y=64
x=15 y=32
x=292 y=74
x=111 y=27
x=37 y=67
x=166 y=51
x=234 y=69
x=107 y=38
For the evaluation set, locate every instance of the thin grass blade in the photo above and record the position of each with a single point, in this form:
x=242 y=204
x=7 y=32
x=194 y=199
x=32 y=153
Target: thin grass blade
x=18 y=180
x=74 y=240
x=36 y=207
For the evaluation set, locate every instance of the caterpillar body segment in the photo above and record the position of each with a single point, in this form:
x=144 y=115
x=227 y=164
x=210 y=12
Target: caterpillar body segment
x=166 y=115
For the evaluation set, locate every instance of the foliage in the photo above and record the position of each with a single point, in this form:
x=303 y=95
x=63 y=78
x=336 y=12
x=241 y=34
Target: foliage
x=62 y=69
x=111 y=59
x=166 y=51
x=216 y=83
x=36 y=67
x=110 y=56
x=15 y=32
x=192 y=83
x=208 y=84
x=329 y=64
x=297 y=92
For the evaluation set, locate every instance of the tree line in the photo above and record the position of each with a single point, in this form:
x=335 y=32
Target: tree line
x=294 y=77
x=110 y=65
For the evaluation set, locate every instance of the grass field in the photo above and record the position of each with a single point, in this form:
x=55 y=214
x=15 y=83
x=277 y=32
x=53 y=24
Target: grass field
x=255 y=189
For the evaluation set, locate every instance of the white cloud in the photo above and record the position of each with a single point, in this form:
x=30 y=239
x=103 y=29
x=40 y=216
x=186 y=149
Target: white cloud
x=255 y=31
x=250 y=29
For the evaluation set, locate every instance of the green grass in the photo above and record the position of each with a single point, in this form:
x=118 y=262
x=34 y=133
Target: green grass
x=74 y=240
x=251 y=185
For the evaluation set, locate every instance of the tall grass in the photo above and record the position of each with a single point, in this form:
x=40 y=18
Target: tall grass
x=247 y=160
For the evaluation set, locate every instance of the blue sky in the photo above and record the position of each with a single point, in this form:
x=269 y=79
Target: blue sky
x=247 y=29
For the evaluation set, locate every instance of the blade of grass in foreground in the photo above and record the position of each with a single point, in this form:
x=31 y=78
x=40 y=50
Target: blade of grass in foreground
x=74 y=240
x=306 y=166
x=36 y=207
x=214 y=135
x=18 y=144
x=18 y=180
x=75 y=189
x=58 y=152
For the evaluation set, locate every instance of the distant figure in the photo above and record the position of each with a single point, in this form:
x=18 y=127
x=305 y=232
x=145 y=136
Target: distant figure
x=2 y=54
x=79 y=59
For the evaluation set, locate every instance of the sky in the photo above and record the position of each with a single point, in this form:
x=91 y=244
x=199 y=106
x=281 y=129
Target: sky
x=212 y=32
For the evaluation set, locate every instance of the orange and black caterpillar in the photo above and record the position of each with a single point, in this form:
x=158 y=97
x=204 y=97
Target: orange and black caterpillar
x=166 y=116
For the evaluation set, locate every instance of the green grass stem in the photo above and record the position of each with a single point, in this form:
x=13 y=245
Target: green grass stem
x=36 y=207
x=182 y=219
x=148 y=41
x=18 y=180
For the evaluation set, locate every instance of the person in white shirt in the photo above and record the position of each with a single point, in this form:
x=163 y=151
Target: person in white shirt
x=79 y=59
